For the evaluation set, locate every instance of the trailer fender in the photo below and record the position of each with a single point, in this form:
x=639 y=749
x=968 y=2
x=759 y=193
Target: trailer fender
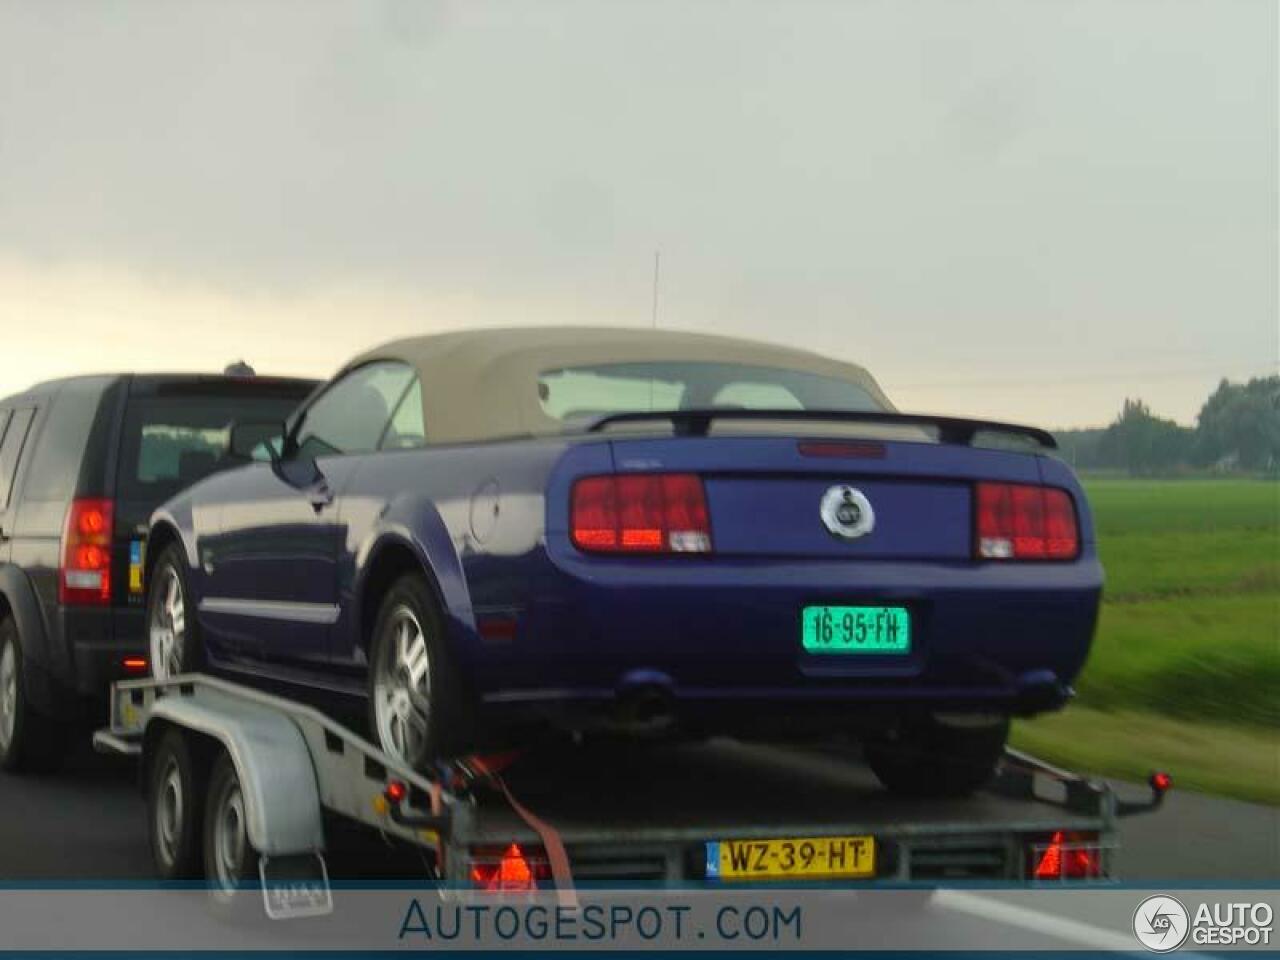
x=282 y=800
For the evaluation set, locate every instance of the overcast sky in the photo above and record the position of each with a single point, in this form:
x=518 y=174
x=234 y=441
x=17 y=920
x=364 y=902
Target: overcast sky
x=1018 y=209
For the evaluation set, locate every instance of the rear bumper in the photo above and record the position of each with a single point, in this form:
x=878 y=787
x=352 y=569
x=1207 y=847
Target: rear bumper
x=711 y=636
x=74 y=683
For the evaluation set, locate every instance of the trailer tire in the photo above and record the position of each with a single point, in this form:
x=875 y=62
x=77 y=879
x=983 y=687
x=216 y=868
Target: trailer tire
x=175 y=802
x=29 y=741
x=932 y=758
x=230 y=861
x=417 y=684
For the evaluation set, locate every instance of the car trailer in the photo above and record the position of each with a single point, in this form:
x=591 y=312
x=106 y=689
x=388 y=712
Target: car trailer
x=263 y=773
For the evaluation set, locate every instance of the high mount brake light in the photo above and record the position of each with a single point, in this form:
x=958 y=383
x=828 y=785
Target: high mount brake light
x=1019 y=521
x=640 y=513
x=85 y=576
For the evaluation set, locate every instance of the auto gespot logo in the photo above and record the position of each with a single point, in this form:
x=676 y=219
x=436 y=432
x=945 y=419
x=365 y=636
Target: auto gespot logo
x=1161 y=924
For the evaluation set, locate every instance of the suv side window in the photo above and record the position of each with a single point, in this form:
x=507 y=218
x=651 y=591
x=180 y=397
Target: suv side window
x=11 y=449
x=352 y=415
x=56 y=459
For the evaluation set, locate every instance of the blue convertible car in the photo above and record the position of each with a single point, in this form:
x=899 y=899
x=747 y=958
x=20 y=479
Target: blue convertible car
x=644 y=530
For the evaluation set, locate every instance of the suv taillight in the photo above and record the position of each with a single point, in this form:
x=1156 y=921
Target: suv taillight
x=640 y=513
x=85 y=577
x=1019 y=521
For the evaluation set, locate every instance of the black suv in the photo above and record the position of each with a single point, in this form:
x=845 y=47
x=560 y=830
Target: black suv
x=83 y=462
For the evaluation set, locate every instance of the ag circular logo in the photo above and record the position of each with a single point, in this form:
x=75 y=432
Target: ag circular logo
x=1161 y=923
x=846 y=512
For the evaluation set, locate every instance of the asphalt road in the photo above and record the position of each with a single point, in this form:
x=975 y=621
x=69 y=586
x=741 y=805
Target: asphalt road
x=87 y=823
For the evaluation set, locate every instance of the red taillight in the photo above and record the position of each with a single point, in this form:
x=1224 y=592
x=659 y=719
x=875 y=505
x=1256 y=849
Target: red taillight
x=1067 y=856
x=85 y=577
x=1018 y=521
x=134 y=664
x=640 y=513
x=512 y=869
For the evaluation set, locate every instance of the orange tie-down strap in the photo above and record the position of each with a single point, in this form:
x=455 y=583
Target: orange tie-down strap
x=549 y=835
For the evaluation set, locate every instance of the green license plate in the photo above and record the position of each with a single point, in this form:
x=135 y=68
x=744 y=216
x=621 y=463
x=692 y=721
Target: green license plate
x=856 y=630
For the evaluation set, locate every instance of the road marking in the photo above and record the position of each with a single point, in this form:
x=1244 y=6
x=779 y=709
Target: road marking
x=1033 y=920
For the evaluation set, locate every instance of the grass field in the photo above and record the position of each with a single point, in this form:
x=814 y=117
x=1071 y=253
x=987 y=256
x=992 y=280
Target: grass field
x=1185 y=670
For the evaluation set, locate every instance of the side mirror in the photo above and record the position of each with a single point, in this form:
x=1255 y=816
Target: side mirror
x=256 y=441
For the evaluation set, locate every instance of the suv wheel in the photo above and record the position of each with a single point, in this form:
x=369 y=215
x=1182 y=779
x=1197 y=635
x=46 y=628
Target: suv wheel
x=172 y=632
x=28 y=741
x=417 y=707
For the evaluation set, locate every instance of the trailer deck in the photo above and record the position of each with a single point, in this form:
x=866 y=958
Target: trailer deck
x=624 y=812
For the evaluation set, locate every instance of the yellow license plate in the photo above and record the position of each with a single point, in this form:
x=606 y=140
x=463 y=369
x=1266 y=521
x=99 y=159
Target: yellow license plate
x=801 y=858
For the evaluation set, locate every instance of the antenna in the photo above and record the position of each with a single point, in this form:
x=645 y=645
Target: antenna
x=657 y=259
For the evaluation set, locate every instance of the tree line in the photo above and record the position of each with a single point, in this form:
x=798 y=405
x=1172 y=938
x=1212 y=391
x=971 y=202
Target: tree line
x=1237 y=430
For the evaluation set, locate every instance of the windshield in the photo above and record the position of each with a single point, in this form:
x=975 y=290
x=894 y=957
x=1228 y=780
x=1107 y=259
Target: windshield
x=580 y=394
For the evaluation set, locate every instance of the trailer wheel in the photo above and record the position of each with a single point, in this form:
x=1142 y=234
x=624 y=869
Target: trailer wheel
x=230 y=861
x=417 y=705
x=932 y=758
x=175 y=799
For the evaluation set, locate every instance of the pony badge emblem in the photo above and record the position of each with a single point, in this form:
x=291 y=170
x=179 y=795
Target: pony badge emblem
x=846 y=512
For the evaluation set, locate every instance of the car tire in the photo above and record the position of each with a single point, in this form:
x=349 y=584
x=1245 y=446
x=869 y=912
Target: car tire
x=29 y=741
x=175 y=808
x=170 y=608
x=230 y=860
x=418 y=708
x=931 y=757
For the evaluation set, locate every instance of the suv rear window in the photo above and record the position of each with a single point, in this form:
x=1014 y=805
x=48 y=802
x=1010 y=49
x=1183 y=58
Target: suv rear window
x=170 y=442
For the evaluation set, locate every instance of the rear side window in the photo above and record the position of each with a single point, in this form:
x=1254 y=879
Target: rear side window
x=171 y=441
x=14 y=429
x=59 y=449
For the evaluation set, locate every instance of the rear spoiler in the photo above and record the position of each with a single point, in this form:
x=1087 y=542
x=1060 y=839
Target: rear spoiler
x=952 y=430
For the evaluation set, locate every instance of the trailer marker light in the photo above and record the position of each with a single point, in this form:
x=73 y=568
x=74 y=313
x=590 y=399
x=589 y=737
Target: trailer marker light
x=134 y=664
x=395 y=792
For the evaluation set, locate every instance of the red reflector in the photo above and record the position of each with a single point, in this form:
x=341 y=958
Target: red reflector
x=496 y=628
x=640 y=513
x=1018 y=521
x=85 y=576
x=395 y=792
x=1161 y=781
x=511 y=870
x=1068 y=856
x=134 y=664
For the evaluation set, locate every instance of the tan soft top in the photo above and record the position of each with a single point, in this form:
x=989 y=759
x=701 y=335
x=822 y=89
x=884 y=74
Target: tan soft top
x=483 y=384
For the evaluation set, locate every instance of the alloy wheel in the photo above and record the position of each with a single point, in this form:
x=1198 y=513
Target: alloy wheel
x=168 y=628
x=402 y=688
